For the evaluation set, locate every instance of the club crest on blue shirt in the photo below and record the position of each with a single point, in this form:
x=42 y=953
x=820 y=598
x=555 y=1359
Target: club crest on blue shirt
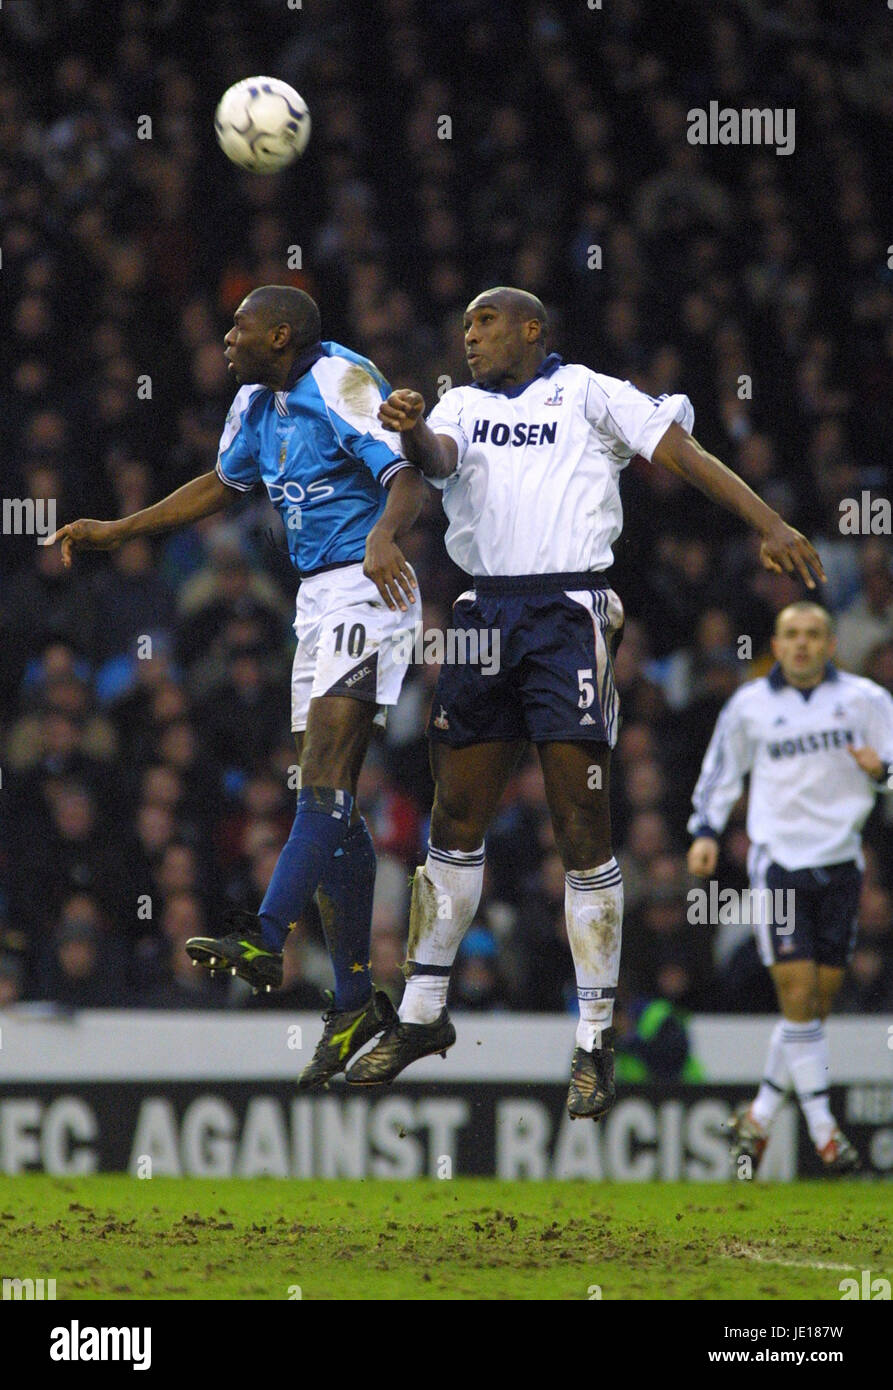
x=284 y=434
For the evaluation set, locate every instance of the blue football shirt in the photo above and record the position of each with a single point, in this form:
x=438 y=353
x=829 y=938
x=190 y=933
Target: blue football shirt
x=319 y=449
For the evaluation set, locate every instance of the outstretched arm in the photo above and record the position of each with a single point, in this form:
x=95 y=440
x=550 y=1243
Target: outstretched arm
x=199 y=498
x=783 y=548
x=436 y=454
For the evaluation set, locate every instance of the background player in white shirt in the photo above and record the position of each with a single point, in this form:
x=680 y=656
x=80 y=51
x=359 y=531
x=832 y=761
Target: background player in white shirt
x=529 y=458
x=818 y=745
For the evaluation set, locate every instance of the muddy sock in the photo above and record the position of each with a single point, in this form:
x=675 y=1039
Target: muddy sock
x=446 y=891
x=593 y=905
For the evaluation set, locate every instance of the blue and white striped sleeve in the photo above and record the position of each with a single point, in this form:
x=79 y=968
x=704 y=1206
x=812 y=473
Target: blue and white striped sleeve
x=352 y=398
x=728 y=758
x=236 y=462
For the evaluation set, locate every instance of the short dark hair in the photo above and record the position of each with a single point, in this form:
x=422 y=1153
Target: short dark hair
x=277 y=304
x=521 y=304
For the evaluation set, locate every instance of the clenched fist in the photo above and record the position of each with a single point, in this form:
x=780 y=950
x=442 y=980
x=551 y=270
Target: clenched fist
x=402 y=410
x=703 y=855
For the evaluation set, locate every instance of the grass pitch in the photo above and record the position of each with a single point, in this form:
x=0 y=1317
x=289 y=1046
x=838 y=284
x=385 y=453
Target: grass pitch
x=185 y=1238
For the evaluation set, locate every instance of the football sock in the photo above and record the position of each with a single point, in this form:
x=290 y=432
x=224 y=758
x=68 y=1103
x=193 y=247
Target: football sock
x=320 y=825
x=344 y=899
x=775 y=1082
x=806 y=1051
x=446 y=891
x=593 y=906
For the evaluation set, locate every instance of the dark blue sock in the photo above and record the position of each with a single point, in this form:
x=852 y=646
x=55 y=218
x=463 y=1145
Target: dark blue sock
x=321 y=824
x=344 y=898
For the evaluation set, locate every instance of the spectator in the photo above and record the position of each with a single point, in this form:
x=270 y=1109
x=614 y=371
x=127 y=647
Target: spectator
x=665 y=956
x=868 y=620
x=82 y=965
x=387 y=962
x=172 y=981
x=12 y=980
x=652 y=1042
x=476 y=984
x=869 y=984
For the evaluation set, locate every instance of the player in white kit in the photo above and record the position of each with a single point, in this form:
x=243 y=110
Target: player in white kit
x=529 y=459
x=818 y=745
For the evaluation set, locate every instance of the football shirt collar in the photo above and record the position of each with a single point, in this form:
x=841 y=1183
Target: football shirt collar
x=302 y=364
x=778 y=681
x=547 y=367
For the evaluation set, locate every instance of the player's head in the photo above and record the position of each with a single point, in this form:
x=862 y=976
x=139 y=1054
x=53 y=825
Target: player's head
x=804 y=641
x=270 y=327
x=505 y=336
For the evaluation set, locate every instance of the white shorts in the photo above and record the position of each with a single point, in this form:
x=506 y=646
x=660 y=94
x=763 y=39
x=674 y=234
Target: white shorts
x=349 y=642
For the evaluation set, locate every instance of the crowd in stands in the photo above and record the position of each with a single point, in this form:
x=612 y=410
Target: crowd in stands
x=147 y=765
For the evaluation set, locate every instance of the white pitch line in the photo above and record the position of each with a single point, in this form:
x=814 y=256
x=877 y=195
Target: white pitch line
x=748 y=1252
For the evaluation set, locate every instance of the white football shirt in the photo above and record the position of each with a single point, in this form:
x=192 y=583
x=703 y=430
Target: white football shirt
x=808 y=798
x=536 y=488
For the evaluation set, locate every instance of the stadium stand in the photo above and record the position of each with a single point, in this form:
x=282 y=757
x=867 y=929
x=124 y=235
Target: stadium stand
x=141 y=793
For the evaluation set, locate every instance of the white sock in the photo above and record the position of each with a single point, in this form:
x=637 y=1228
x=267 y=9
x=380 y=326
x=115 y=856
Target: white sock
x=806 y=1051
x=775 y=1082
x=593 y=907
x=446 y=891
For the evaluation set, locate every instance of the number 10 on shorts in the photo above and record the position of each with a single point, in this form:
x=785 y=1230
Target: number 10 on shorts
x=356 y=639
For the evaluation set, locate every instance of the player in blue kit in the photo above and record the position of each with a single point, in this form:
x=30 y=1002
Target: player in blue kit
x=306 y=426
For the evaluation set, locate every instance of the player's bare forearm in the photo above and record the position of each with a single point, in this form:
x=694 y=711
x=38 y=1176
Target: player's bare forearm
x=404 y=503
x=783 y=548
x=428 y=451
x=682 y=454
x=384 y=562
x=435 y=454
x=196 y=499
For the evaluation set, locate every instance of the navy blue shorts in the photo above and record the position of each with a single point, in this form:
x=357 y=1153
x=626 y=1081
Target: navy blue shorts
x=808 y=914
x=533 y=660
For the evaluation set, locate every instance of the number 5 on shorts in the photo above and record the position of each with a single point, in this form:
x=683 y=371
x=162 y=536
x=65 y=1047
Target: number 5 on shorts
x=587 y=689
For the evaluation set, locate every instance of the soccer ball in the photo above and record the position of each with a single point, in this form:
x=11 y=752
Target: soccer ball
x=262 y=124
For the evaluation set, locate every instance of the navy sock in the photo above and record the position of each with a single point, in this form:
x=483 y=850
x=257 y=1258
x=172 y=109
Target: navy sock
x=344 y=898
x=321 y=823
